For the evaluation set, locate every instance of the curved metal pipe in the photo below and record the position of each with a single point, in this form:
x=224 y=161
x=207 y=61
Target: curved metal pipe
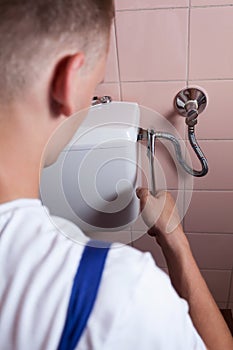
x=196 y=148
x=151 y=155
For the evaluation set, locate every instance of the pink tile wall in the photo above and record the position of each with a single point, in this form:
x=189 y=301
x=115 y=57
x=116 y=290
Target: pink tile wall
x=112 y=72
x=146 y=42
x=210 y=211
x=210 y=2
x=211 y=51
x=157 y=48
x=149 y=4
x=215 y=123
x=157 y=96
x=220 y=176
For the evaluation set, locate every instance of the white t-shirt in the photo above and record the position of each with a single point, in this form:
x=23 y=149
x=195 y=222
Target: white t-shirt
x=136 y=306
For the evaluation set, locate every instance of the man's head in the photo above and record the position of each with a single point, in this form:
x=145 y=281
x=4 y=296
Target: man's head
x=52 y=56
x=35 y=34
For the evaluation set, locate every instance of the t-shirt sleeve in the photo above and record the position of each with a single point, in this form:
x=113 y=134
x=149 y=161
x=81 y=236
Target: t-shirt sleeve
x=137 y=308
x=155 y=317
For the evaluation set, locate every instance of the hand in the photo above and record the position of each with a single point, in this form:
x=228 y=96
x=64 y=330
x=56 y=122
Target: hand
x=160 y=215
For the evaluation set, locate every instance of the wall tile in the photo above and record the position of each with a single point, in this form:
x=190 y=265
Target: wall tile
x=139 y=226
x=121 y=237
x=112 y=74
x=109 y=89
x=210 y=212
x=146 y=243
x=230 y=306
x=222 y=305
x=218 y=283
x=158 y=96
x=145 y=44
x=212 y=251
x=211 y=2
x=215 y=122
x=148 y=4
x=211 y=57
x=231 y=292
x=219 y=156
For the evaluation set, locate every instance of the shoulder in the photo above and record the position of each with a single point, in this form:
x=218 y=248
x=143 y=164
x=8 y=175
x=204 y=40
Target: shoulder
x=137 y=305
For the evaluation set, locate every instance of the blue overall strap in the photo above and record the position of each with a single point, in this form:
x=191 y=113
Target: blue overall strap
x=84 y=292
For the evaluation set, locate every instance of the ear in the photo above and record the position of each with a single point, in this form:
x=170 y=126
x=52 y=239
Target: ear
x=64 y=83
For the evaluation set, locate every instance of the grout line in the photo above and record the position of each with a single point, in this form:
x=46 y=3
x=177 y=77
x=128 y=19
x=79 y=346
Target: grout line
x=205 y=190
x=229 y=292
x=208 y=233
x=193 y=233
x=188 y=44
x=211 y=140
x=187 y=84
x=153 y=9
x=173 y=8
x=210 y=79
x=118 y=60
x=154 y=81
x=214 y=190
x=109 y=82
x=172 y=80
x=131 y=236
x=207 y=6
x=211 y=269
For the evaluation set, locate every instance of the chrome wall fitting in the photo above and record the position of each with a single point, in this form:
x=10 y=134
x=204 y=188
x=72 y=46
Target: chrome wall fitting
x=101 y=100
x=189 y=103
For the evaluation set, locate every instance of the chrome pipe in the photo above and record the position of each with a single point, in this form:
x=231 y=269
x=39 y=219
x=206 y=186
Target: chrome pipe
x=196 y=148
x=151 y=136
x=151 y=156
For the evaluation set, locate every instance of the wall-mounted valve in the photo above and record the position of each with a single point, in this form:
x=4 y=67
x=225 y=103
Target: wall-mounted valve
x=101 y=100
x=189 y=103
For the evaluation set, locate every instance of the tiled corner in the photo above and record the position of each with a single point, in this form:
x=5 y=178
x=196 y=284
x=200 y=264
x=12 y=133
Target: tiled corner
x=159 y=97
x=109 y=89
x=211 y=2
x=216 y=120
x=212 y=251
x=219 y=157
x=218 y=283
x=210 y=212
x=146 y=243
x=148 y=4
x=112 y=73
x=210 y=30
x=145 y=44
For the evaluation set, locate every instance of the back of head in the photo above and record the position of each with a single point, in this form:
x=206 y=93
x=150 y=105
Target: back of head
x=33 y=32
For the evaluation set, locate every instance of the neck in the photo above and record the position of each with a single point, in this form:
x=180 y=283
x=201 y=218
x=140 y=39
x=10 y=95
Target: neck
x=21 y=148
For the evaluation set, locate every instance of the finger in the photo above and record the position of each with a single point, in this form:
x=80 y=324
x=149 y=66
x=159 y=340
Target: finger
x=142 y=192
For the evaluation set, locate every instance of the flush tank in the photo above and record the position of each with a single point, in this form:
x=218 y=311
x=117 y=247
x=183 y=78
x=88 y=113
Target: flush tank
x=94 y=180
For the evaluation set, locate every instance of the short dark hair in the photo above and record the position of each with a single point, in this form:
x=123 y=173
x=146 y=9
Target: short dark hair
x=33 y=31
